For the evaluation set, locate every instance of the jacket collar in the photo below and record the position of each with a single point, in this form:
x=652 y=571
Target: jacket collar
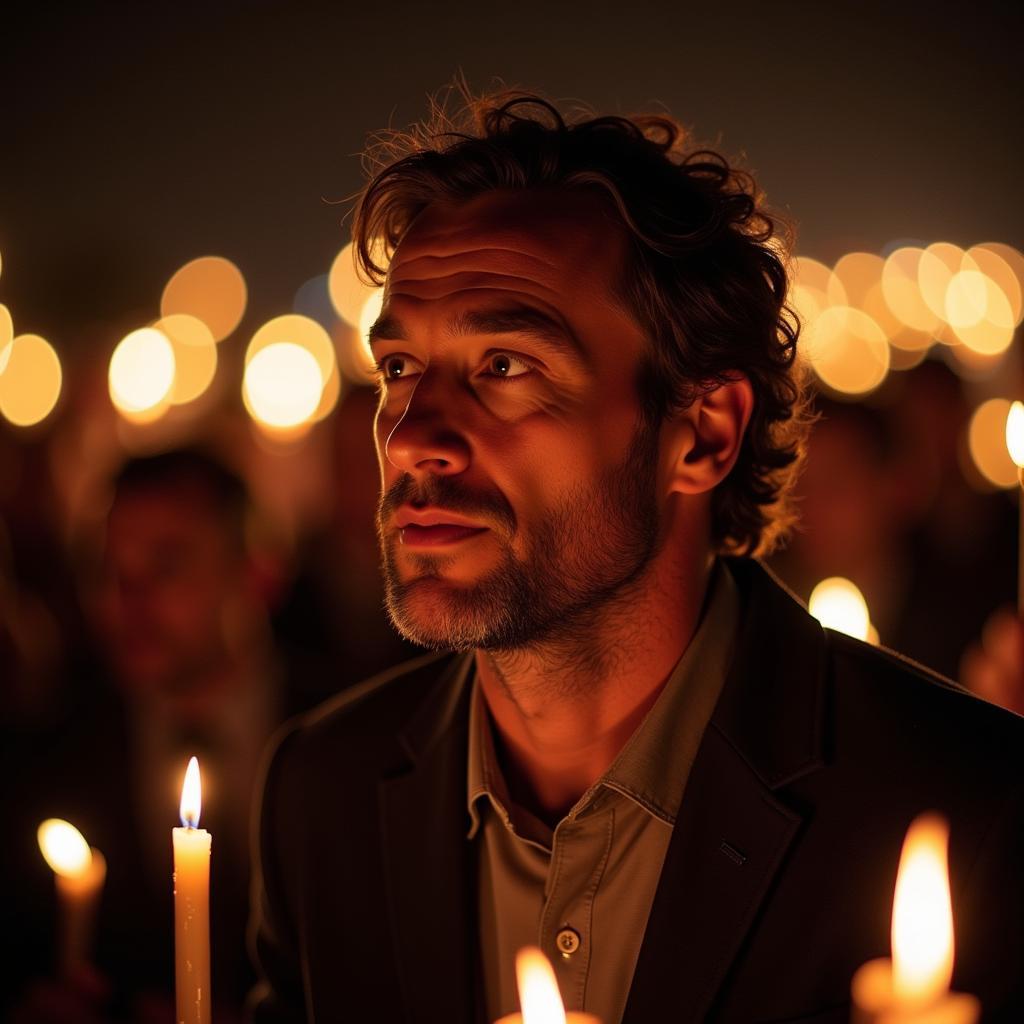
x=428 y=864
x=734 y=829
x=772 y=707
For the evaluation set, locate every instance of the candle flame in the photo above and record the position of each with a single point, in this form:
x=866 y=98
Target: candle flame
x=1015 y=433
x=539 y=998
x=64 y=848
x=922 y=914
x=191 y=795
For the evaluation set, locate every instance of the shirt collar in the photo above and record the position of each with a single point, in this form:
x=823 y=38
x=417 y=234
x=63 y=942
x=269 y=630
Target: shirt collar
x=651 y=769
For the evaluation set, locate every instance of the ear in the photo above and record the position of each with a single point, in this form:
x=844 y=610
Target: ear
x=704 y=439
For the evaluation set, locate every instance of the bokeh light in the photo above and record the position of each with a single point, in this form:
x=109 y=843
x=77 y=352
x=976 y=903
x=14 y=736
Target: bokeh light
x=329 y=397
x=814 y=289
x=1015 y=433
x=998 y=269
x=195 y=356
x=935 y=268
x=348 y=294
x=838 y=604
x=282 y=386
x=367 y=318
x=64 y=847
x=141 y=374
x=979 y=312
x=210 y=288
x=6 y=336
x=31 y=383
x=1013 y=258
x=297 y=330
x=907 y=346
x=853 y=277
x=986 y=441
x=848 y=350
x=903 y=293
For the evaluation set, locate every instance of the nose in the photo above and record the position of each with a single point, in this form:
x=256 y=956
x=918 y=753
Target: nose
x=427 y=439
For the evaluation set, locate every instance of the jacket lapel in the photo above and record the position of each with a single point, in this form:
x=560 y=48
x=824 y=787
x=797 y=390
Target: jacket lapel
x=427 y=859
x=733 y=830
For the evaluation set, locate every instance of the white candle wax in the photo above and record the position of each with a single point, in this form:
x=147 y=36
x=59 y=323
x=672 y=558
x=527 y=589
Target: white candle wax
x=192 y=908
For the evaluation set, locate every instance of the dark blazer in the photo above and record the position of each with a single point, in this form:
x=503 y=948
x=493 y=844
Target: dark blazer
x=778 y=880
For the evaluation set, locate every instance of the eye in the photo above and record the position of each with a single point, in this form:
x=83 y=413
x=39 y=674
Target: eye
x=393 y=368
x=504 y=364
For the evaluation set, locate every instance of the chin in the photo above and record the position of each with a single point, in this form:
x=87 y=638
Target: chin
x=437 y=614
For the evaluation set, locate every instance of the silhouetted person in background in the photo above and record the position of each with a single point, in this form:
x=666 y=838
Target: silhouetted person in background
x=181 y=613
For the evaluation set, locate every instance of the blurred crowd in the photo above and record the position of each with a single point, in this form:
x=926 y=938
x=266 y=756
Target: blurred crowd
x=207 y=591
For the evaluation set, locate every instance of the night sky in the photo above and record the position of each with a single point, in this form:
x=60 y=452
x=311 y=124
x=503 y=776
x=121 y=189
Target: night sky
x=135 y=139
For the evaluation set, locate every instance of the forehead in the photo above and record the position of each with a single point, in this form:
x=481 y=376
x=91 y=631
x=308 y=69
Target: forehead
x=556 y=245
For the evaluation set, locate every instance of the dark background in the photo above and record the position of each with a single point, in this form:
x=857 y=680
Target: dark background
x=134 y=139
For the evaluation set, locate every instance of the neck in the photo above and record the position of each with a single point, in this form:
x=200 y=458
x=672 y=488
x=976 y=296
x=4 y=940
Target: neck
x=564 y=709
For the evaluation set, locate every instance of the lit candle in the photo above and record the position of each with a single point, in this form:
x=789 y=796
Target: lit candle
x=192 y=906
x=913 y=987
x=539 y=997
x=1015 y=446
x=79 y=873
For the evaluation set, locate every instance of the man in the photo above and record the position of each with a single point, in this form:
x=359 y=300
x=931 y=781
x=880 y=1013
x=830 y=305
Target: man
x=182 y=620
x=644 y=756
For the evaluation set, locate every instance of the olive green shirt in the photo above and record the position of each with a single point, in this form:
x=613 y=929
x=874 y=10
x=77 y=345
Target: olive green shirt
x=583 y=892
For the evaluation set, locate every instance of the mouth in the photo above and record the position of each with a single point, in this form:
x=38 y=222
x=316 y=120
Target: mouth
x=435 y=536
x=428 y=528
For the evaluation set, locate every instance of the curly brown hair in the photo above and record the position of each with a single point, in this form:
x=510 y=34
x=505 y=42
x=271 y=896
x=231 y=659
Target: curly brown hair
x=707 y=278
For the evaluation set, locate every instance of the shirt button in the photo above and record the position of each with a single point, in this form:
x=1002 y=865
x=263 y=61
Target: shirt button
x=567 y=941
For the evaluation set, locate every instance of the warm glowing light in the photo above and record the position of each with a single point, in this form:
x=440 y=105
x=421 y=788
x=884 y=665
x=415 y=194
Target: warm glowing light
x=191 y=795
x=210 y=288
x=1005 y=265
x=848 y=350
x=282 y=386
x=1015 y=433
x=142 y=370
x=987 y=443
x=64 y=848
x=6 y=336
x=539 y=998
x=31 y=382
x=853 y=276
x=367 y=318
x=979 y=312
x=814 y=289
x=903 y=293
x=908 y=347
x=936 y=267
x=296 y=330
x=329 y=397
x=922 y=915
x=837 y=604
x=348 y=293
x=195 y=355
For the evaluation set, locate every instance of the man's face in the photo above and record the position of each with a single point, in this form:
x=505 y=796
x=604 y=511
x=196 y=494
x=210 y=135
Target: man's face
x=173 y=583
x=519 y=482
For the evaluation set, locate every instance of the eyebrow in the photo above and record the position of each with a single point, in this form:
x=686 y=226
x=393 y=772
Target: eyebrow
x=522 y=320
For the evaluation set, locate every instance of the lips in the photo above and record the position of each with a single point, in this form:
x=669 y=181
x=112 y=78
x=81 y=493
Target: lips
x=432 y=536
x=434 y=527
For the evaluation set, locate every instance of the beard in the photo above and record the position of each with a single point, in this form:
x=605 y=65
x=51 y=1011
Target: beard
x=578 y=560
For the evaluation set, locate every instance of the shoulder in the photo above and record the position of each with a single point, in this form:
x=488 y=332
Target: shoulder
x=877 y=678
x=359 y=731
